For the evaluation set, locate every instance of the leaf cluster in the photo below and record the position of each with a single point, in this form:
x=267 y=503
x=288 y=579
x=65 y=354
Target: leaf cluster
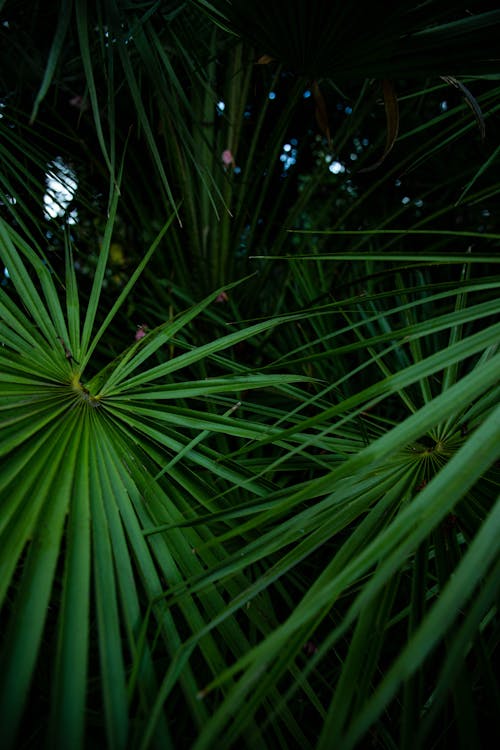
x=237 y=508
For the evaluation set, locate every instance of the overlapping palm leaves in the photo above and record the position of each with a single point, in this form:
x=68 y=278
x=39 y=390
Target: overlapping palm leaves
x=79 y=481
x=417 y=505
x=323 y=39
x=86 y=70
x=196 y=553
x=107 y=490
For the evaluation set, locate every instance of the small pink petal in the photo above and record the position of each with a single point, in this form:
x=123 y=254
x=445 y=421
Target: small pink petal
x=227 y=158
x=222 y=297
x=140 y=333
x=79 y=103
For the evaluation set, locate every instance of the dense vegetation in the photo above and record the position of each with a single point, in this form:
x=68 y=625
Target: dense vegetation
x=249 y=374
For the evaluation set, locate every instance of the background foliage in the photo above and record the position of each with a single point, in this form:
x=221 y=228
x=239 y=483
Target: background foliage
x=249 y=375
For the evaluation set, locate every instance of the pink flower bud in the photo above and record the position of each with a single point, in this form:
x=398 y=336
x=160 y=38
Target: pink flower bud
x=228 y=158
x=141 y=332
x=222 y=297
x=79 y=103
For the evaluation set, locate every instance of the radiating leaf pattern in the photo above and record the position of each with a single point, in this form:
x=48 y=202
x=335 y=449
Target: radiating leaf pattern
x=270 y=520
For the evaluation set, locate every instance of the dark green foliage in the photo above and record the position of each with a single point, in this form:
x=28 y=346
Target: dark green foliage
x=249 y=384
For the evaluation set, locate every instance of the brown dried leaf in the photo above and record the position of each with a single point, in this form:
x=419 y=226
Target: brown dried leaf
x=265 y=60
x=471 y=101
